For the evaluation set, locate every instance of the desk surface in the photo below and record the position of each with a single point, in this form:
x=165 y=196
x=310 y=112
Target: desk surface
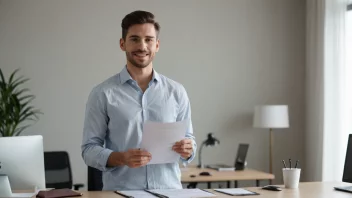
x=247 y=174
x=305 y=190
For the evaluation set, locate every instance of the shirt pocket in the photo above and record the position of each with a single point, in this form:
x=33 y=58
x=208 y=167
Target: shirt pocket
x=123 y=107
x=163 y=110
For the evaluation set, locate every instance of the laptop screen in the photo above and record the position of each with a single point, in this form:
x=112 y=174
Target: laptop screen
x=347 y=172
x=241 y=153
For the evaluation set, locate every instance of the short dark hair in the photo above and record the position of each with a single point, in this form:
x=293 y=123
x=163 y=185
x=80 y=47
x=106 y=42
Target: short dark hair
x=138 y=17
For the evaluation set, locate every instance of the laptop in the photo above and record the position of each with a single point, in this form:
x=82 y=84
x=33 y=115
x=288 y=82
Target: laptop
x=347 y=171
x=239 y=160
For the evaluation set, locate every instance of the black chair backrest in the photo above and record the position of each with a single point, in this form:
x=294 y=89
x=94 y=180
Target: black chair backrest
x=95 y=179
x=57 y=170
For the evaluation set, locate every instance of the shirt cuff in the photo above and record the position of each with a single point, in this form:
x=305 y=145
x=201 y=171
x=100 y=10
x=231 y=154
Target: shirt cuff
x=187 y=161
x=103 y=161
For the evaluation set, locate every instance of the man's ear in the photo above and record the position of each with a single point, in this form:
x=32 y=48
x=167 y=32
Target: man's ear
x=157 y=45
x=122 y=44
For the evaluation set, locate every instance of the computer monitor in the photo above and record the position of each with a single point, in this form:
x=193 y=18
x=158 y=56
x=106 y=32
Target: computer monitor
x=347 y=171
x=22 y=160
x=240 y=160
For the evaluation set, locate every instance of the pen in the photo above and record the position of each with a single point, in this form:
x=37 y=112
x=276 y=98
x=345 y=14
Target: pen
x=120 y=193
x=207 y=191
x=283 y=161
x=290 y=163
x=296 y=163
x=156 y=194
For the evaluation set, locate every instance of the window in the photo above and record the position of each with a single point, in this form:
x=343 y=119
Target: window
x=348 y=67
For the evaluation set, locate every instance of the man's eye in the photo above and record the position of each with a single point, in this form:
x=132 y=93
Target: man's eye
x=134 y=39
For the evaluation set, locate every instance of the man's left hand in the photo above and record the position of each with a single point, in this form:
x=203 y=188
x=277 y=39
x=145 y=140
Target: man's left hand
x=184 y=148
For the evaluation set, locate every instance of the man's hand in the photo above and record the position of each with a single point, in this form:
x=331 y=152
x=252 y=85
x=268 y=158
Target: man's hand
x=184 y=148
x=135 y=158
x=132 y=158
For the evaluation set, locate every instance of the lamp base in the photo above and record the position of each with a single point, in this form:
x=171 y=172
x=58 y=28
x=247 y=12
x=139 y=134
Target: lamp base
x=200 y=166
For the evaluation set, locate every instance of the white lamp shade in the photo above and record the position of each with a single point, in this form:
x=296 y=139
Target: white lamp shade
x=271 y=116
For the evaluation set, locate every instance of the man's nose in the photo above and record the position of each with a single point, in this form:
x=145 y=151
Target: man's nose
x=142 y=45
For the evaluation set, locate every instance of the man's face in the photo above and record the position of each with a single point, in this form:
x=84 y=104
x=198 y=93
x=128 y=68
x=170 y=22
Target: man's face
x=140 y=45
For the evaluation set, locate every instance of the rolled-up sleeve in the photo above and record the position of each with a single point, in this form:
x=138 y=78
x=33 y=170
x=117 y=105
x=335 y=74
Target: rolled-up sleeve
x=94 y=131
x=185 y=113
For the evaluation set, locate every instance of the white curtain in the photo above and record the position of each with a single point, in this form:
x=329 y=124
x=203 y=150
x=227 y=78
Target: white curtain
x=326 y=132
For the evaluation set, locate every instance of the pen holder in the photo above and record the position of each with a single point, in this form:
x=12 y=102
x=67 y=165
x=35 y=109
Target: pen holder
x=291 y=177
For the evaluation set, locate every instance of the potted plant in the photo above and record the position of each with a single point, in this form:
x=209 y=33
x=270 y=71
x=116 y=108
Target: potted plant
x=15 y=105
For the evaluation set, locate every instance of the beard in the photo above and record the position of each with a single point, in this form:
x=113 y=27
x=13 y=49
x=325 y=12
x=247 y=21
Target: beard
x=130 y=58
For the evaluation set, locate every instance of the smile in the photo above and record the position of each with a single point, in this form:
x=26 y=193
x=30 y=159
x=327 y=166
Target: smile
x=140 y=55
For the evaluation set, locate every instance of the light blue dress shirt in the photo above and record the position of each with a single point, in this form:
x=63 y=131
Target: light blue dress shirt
x=115 y=112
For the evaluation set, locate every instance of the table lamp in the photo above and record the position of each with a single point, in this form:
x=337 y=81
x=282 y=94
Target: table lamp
x=271 y=116
x=210 y=141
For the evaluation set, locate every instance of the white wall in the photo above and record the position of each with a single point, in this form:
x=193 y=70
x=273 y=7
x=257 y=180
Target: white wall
x=230 y=56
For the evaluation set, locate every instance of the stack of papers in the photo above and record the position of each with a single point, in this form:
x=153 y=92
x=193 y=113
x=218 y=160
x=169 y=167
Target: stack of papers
x=221 y=167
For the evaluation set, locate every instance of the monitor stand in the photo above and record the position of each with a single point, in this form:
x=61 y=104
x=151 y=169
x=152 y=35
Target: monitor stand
x=5 y=188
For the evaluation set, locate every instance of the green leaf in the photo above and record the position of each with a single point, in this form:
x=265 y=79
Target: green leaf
x=18 y=93
x=18 y=131
x=15 y=84
x=13 y=75
x=2 y=77
x=29 y=97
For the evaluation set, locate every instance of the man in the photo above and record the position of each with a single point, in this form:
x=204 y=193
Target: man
x=117 y=108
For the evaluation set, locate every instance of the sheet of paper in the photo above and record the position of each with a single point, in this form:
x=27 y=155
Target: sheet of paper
x=137 y=193
x=158 y=139
x=235 y=191
x=183 y=193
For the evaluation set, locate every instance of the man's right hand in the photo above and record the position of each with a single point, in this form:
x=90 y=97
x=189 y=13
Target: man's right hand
x=132 y=158
x=135 y=158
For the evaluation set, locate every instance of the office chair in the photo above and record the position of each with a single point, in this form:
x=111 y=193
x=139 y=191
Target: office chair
x=95 y=179
x=58 y=172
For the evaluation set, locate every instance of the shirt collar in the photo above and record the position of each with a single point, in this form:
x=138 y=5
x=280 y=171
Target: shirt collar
x=156 y=76
x=125 y=76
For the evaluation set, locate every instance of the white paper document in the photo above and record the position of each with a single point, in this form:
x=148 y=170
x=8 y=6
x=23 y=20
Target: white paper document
x=235 y=191
x=183 y=193
x=158 y=139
